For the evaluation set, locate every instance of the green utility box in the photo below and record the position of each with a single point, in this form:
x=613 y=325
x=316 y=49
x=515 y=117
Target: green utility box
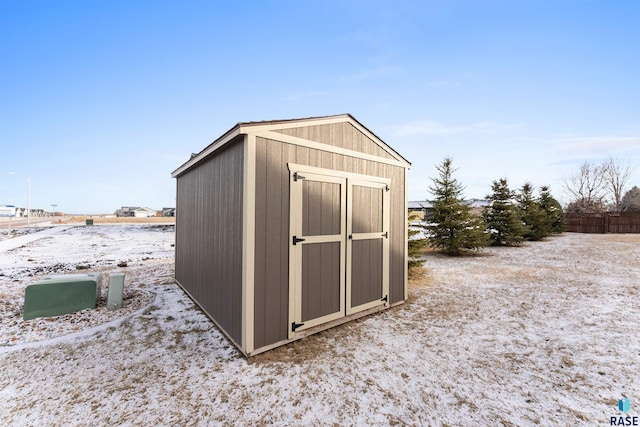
x=58 y=295
x=88 y=221
x=116 y=288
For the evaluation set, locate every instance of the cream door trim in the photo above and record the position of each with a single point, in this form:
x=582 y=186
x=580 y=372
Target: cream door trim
x=295 y=251
x=382 y=184
x=336 y=173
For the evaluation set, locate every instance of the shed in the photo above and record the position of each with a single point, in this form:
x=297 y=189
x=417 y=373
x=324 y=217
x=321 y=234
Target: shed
x=286 y=228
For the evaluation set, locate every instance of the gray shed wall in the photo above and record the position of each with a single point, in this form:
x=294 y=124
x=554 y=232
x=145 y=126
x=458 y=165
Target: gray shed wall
x=209 y=236
x=343 y=135
x=271 y=283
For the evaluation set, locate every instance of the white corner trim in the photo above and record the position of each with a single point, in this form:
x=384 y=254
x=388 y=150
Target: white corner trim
x=249 y=238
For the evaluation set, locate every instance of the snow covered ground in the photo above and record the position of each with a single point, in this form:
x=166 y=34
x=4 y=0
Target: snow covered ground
x=545 y=334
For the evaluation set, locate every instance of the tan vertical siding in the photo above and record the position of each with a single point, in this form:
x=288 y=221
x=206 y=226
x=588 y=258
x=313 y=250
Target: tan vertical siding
x=397 y=234
x=271 y=244
x=343 y=135
x=260 y=260
x=209 y=236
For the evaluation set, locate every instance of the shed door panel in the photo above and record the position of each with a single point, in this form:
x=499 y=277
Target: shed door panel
x=366 y=272
x=317 y=254
x=367 y=211
x=320 y=280
x=321 y=208
x=368 y=247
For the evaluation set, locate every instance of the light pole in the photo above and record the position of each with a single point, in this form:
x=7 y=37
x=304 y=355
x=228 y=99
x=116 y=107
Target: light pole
x=53 y=208
x=28 y=201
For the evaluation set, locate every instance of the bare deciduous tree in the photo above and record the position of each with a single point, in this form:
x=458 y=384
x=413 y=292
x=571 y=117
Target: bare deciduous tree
x=587 y=188
x=617 y=174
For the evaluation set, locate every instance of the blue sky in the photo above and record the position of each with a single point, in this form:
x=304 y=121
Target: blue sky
x=101 y=100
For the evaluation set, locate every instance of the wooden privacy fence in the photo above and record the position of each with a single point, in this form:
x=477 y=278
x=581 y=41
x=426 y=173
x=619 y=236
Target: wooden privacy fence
x=606 y=222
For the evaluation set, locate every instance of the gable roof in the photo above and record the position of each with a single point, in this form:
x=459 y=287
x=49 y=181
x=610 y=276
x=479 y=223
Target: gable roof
x=247 y=128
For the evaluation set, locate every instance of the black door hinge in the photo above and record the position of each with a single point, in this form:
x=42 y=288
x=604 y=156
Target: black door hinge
x=296 y=240
x=386 y=187
x=386 y=235
x=385 y=299
x=295 y=326
x=297 y=177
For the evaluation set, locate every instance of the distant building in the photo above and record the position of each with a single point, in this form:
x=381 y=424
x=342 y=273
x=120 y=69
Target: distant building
x=419 y=210
x=35 y=213
x=135 y=212
x=478 y=205
x=168 y=211
x=144 y=213
x=126 y=211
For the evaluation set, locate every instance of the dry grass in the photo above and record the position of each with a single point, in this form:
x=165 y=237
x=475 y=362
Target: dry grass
x=418 y=277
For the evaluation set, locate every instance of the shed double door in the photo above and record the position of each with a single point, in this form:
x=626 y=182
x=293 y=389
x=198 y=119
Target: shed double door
x=339 y=245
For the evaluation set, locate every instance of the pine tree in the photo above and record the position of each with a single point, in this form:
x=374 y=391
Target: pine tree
x=552 y=209
x=414 y=247
x=452 y=227
x=502 y=216
x=631 y=200
x=534 y=218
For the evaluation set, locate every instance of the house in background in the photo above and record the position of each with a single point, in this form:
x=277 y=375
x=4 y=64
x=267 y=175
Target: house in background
x=126 y=211
x=168 y=212
x=290 y=227
x=135 y=212
x=417 y=210
x=144 y=213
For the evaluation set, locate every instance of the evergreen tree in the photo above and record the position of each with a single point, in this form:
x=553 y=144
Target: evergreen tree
x=414 y=247
x=532 y=215
x=502 y=217
x=453 y=227
x=552 y=209
x=631 y=200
